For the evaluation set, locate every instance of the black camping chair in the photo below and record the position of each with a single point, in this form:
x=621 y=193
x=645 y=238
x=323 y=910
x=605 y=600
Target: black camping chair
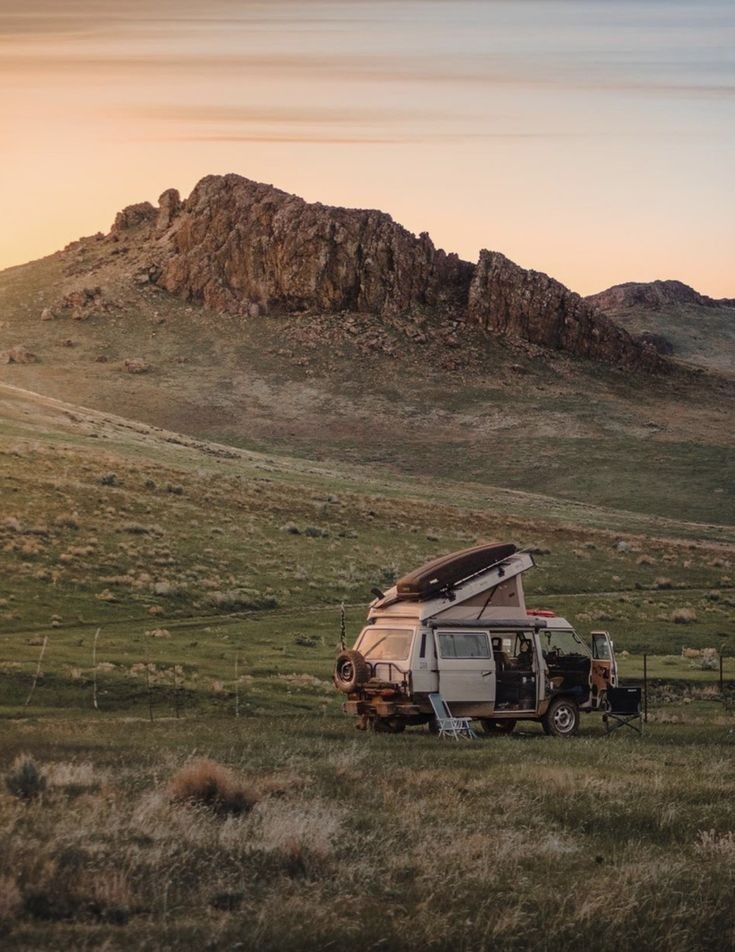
x=622 y=709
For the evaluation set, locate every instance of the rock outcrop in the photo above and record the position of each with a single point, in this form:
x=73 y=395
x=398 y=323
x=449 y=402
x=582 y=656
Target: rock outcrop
x=529 y=305
x=244 y=248
x=653 y=296
x=132 y=216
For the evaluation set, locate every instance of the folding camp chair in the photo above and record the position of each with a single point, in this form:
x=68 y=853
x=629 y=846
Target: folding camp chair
x=622 y=709
x=448 y=725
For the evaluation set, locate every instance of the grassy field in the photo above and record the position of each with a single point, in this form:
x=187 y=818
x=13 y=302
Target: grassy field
x=377 y=842
x=214 y=574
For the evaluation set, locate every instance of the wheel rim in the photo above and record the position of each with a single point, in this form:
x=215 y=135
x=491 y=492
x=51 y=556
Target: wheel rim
x=564 y=718
x=345 y=671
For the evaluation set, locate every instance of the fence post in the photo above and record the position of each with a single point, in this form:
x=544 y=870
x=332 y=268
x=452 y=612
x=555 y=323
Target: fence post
x=148 y=683
x=38 y=671
x=94 y=669
x=237 y=684
x=176 y=693
x=645 y=687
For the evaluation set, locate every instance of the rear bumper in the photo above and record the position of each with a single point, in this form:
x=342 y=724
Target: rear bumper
x=380 y=707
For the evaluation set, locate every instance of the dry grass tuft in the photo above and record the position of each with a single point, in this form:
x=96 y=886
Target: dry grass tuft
x=683 y=616
x=206 y=783
x=25 y=780
x=720 y=844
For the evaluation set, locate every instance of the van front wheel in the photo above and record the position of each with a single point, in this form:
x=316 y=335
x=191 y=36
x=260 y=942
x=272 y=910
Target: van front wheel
x=562 y=718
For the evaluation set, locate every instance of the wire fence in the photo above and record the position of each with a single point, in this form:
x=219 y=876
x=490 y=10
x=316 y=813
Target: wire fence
x=166 y=684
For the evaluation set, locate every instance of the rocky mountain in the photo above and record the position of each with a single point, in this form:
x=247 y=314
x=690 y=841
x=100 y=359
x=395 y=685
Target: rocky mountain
x=674 y=319
x=654 y=296
x=244 y=248
x=246 y=317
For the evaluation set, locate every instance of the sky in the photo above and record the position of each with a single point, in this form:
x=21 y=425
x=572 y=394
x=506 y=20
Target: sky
x=590 y=139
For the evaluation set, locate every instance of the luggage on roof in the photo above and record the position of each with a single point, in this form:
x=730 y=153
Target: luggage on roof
x=436 y=576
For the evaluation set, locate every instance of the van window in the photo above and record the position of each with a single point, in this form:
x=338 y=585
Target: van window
x=563 y=644
x=464 y=644
x=385 y=644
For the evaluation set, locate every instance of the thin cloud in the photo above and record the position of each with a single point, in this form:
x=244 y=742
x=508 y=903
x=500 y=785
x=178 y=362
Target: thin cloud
x=481 y=70
x=358 y=139
x=283 y=115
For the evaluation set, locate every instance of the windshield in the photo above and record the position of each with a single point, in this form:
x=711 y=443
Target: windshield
x=385 y=644
x=601 y=648
x=563 y=644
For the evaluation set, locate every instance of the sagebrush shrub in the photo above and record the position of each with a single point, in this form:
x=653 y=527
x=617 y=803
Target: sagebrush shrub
x=25 y=779
x=683 y=616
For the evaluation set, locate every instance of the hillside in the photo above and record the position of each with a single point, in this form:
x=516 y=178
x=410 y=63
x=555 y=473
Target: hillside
x=189 y=496
x=678 y=320
x=110 y=520
x=427 y=391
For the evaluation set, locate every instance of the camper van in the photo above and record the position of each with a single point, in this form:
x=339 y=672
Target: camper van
x=459 y=627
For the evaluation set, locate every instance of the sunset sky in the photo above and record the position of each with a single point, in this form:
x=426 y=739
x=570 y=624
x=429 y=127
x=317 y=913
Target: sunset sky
x=592 y=139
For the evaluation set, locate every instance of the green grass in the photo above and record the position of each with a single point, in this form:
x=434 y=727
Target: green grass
x=391 y=841
x=702 y=335
x=357 y=840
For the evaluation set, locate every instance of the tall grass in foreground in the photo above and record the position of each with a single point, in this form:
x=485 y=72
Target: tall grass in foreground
x=391 y=843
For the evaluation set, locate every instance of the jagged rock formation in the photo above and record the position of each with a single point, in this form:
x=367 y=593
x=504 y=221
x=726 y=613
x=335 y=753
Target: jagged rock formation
x=529 y=305
x=245 y=248
x=242 y=247
x=653 y=296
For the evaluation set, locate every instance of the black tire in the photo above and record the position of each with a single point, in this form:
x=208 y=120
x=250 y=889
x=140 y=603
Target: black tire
x=498 y=726
x=562 y=718
x=351 y=671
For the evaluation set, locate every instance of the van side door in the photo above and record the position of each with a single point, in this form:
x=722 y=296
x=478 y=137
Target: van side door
x=466 y=665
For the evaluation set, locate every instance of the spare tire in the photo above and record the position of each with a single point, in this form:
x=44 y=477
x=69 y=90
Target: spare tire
x=351 y=671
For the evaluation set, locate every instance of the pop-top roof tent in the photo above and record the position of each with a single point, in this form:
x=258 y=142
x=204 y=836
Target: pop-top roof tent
x=470 y=585
x=444 y=573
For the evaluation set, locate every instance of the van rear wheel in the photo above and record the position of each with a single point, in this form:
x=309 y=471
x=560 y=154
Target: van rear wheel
x=562 y=718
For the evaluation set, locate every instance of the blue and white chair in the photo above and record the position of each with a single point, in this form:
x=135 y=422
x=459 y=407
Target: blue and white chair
x=447 y=724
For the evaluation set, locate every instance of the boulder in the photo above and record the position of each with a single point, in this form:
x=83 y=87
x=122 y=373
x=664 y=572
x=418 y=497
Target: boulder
x=135 y=365
x=19 y=355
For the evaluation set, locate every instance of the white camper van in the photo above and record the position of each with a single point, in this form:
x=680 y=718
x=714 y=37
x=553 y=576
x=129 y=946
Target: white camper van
x=459 y=626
